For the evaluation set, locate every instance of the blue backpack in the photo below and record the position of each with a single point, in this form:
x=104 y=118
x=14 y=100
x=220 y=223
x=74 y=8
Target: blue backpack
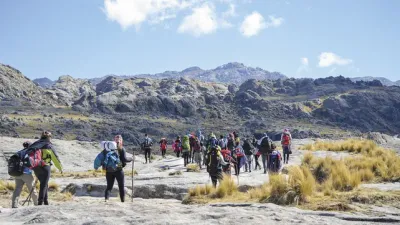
x=111 y=160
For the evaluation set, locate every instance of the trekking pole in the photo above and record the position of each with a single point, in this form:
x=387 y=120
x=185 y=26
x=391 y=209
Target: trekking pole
x=28 y=199
x=133 y=166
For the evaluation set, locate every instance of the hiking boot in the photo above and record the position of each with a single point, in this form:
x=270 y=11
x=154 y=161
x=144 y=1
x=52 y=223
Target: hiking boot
x=250 y=171
x=265 y=171
x=46 y=202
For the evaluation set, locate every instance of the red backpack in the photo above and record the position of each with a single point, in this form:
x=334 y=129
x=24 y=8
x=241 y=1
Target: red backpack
x=33 y=159
x=286 y=139
x=163 y=145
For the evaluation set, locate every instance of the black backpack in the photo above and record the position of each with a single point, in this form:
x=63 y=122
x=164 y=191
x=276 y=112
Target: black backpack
x=15 y=165
x=213 y=164
x=265 y=146
x=147 y=143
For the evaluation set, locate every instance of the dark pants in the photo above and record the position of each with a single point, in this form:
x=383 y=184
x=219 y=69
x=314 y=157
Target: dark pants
x=178 y=153
x=185 y=158
x=163 y=152
x=237 y=169
x=256 y=160
x=147 y=153
x=111 y=176
x=265 y=161
x=43 y=175
x=286 y=150
x=216 y=177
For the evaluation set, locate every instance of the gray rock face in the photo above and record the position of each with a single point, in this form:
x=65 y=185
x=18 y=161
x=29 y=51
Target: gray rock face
x=383 y=80
x=44 y=82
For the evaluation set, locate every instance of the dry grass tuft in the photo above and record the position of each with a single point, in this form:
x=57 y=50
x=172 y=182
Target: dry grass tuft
x=193 y=167
x=6 y=186
x=175 y=173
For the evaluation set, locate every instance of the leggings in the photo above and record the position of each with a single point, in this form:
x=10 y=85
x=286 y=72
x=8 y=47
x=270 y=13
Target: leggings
x=216 y=177
x=237 y=168
x=257 y=163
x=43 y=175
x=178 y=153
x=163 y=151
x=147 y=152
x=111 y=176
x=185 y=158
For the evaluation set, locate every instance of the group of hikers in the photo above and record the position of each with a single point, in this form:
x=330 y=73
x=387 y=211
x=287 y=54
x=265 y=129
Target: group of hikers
x=217 y=155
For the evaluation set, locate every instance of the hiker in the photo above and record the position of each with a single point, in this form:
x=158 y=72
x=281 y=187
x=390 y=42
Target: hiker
x=227 y=155
x=25 y=178
x=230 y=143
x=248 y=151
x=240 y=158
x=113 y=159
x=222 y=142
x=215 y=161
x=178 y=146
x=163 y=146
x=264 y=147
x=192 y=142
x=200 y=136
x=257 y=154
x=236 y=136
x=275 y=159
x=286 y=141
x=185 y=149
x=49 y=157
x=212 y=142
x=146 y=145
x=197 y=152
x=204 y=152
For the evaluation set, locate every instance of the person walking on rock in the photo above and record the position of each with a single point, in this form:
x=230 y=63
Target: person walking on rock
x=240 y=158
x=185 y=149
x=163 y=146
x=177 y=146
x=49 y=157
x=113 y=159
x=215 y=161
x=222 y=142
x=264 y=146
x=286 y=141
x=25 y=178
x=248 y=151
x=146 y=144
x=197 y=152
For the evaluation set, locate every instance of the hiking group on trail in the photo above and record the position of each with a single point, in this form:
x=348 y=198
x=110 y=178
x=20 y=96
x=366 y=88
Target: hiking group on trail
x=218 y=155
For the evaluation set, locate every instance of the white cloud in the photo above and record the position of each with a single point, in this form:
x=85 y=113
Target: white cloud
x=203 y=20
x=327 y=59
x=252 y=24
x=231 y=12
x=304 y=61
x=255 y=22
x=134 y=12
x=304 y=65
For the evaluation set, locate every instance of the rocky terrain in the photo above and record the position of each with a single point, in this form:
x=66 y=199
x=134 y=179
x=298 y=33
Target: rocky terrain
x=77 y=109
x=383 y=80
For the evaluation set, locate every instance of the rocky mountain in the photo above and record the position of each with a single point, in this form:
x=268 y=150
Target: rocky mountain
x=171 y=106
x=44 y=82
x=235 y=73
x=383 y=80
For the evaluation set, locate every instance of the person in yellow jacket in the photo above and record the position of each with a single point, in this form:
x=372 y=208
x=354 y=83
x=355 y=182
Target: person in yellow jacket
x=49 y=157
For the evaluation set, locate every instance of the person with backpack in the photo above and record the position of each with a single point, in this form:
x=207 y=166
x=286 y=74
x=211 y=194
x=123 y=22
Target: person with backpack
x=212 y=141
x=185 y=149
x=286 y=141
x=197 y=152
x=275 y=159
x=215 y=162
x=248 y=151
x=146 y=145
x=192 y=141
x=222 y=142
x=113 y=159
x=44 y=149
x=264 y=146
x=256 y=153
x=240 y=158
x=177 y=146
x=230 y=143
x=163 y=146
x=25 y=178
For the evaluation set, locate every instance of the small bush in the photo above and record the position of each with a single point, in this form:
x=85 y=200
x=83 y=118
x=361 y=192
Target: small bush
x=227 y=187
x=6 y=186
x=53 y=186
x=175 y=173
x=193 y=167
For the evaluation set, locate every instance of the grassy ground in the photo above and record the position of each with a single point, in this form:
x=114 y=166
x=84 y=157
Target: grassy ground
x=318 y=183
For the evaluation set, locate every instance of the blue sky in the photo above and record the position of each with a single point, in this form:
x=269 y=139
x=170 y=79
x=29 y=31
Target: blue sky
x=93 y=38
